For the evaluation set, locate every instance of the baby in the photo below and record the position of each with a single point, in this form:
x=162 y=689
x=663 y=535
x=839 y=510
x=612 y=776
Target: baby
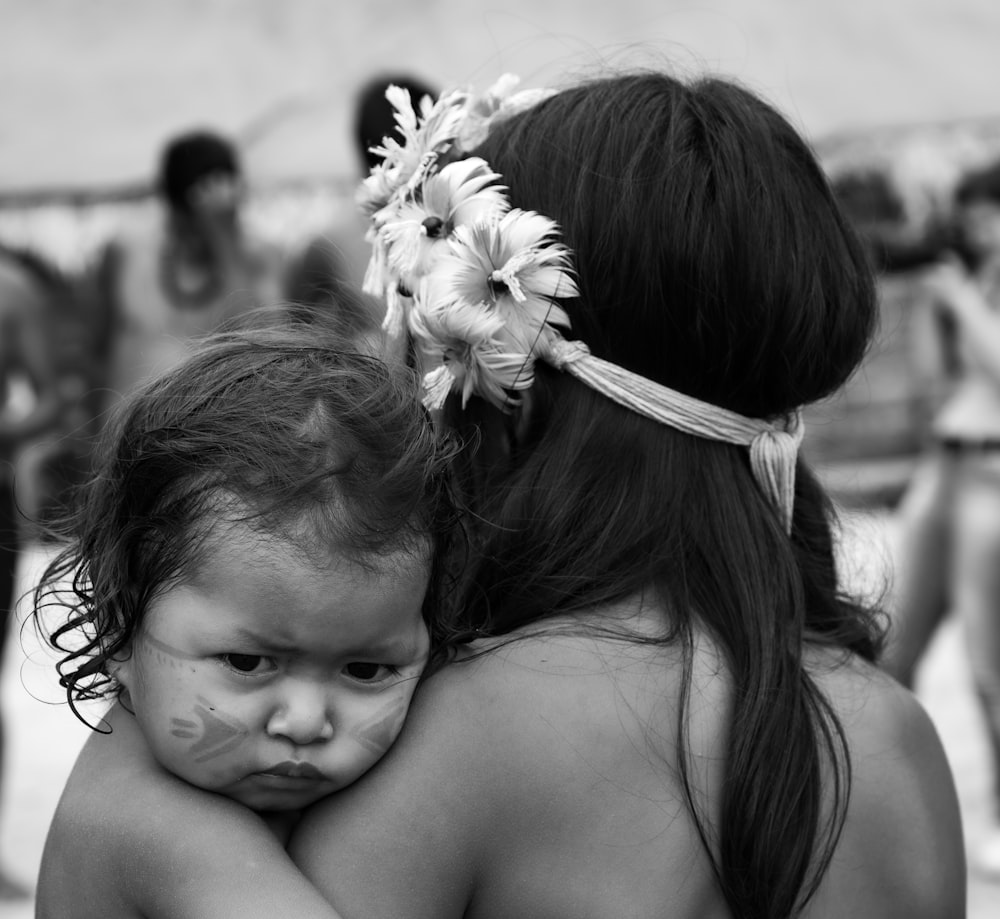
x=250 y=580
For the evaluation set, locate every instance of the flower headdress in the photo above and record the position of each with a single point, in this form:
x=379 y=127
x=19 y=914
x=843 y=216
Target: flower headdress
x=475 y=282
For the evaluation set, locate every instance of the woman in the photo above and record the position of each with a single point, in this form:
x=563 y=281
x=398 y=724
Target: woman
x=669 y=708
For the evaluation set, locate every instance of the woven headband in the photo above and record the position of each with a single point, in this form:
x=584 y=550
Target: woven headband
x=773 y=447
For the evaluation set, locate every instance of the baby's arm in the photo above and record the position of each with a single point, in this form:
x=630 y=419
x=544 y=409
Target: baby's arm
x=214 y=858
x=131 y=840
x=220 y=861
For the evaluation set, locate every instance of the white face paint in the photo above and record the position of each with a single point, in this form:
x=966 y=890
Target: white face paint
x=275 y=682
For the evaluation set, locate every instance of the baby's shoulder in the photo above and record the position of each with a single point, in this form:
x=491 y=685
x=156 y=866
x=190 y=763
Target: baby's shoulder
x=127 y=837
x=89 y=841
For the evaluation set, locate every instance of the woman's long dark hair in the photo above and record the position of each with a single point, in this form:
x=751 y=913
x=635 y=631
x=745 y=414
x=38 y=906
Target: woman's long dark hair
x=712 y=258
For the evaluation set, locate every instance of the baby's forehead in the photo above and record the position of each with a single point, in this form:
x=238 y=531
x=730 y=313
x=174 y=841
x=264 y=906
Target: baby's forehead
x=263 y=582
x=316 y=546
x=234 y=544
x=320 y=536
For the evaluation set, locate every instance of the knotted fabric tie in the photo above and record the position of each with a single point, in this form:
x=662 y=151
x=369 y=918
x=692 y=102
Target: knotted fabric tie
x=773 y=445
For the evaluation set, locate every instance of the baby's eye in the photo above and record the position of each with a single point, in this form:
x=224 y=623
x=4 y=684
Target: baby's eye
x=369 y=672
x=248 y=663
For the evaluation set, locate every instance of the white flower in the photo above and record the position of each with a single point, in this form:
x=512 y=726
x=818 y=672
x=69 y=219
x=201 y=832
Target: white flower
x=419 y=228
x=473 y=281
x=503 y=88
x=499 y=102
x=480 y=112
x=375 y=191
x=485 y=311
x=522 y=101
x=377 y=273
x=459 y=346
x=379 y=281
x=397 y=310
x=425 y=135
x=513 y=266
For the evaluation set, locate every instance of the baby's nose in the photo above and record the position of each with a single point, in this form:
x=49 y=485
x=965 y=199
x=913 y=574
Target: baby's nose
x=302 y=715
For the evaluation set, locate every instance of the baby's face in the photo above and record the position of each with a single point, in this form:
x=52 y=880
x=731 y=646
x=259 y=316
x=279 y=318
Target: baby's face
x=272 y=682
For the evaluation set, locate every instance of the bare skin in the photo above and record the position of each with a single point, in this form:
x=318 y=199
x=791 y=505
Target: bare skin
x=177 y=850
x=536 y=781
x=540 y=781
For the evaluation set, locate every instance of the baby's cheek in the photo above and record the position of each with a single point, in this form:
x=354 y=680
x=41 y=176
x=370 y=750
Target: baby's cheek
x=376 y=733
x=209 y=744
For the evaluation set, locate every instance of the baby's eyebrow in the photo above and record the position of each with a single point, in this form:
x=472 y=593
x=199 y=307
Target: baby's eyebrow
x=273 y=643
x=240 y=636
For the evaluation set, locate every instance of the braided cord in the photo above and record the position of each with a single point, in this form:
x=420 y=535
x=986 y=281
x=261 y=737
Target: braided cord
x=773 y=445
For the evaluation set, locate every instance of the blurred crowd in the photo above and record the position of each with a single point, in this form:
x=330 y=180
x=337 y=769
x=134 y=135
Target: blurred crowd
x=948 y=509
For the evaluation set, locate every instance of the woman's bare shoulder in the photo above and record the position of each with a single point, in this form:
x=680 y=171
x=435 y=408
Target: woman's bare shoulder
x=902 y=841
x=570 y=675
x=546 y=753
x=883 y=719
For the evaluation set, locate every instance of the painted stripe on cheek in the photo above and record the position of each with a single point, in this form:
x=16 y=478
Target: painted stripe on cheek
x=378 y=732
x=168 y=650
x=214 y=733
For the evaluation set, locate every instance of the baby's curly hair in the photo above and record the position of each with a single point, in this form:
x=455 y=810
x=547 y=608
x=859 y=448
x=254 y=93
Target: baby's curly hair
x=277 y=429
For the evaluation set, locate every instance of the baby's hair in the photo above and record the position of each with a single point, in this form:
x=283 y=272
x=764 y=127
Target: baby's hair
x=277 y=430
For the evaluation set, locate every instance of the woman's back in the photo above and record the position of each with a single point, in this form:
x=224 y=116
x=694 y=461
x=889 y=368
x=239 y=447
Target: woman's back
x=541 y=779
x=623 y=345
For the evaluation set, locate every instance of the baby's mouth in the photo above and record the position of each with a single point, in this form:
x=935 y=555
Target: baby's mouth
x=294 y=770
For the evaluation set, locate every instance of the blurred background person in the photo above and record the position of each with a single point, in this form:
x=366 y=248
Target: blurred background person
x=29 y=405
x=189 y=270
x=949 y=518
x=328 y=273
